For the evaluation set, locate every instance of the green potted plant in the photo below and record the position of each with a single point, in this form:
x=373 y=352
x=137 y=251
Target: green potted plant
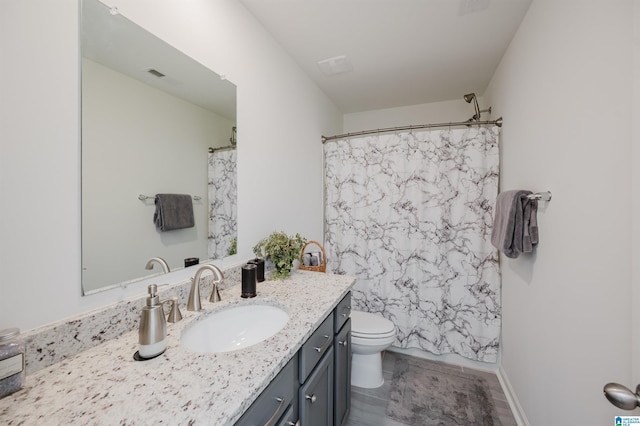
x=233 y=248
x=282 y=250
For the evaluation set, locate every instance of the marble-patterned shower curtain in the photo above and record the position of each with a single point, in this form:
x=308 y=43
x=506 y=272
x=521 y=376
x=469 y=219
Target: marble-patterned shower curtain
x=410 y=216
x=223 y=196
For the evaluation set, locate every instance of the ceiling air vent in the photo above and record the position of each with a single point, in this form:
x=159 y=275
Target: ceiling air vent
x=335 y=65
x=472 y=6
x=155 y=73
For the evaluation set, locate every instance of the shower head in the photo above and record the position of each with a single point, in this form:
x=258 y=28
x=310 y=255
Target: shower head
x=233 y=139
x=472 y=97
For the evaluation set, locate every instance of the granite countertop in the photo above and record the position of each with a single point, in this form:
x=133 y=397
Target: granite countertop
x=105 y=385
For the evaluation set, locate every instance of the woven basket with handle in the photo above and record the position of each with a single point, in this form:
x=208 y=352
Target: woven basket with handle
x=320 y=268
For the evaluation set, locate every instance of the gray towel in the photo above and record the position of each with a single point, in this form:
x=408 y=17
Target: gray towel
x=173 y=211
x=530 y=225
x=515 y=226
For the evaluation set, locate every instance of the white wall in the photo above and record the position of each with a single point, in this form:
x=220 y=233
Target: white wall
x=635 y=172
x=281 y=116
x=150 y=143
x=436 y=112
x=564 y=88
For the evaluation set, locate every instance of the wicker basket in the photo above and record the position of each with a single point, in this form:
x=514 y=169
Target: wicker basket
x=319 y=268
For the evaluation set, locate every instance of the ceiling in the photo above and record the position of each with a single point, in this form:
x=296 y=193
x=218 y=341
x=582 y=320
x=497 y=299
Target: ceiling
x=403 y=52
x=114 y=41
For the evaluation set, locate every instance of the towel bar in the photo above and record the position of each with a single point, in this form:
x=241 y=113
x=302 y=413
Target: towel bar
x=542 y=196
x=143 y=197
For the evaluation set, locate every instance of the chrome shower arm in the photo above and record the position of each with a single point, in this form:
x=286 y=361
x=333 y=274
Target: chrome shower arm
x=472 y=97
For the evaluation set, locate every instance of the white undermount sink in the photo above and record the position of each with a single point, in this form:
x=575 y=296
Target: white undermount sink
x=234 y=328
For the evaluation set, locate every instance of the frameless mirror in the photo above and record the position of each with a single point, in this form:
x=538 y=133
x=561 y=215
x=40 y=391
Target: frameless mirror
x=150 y=117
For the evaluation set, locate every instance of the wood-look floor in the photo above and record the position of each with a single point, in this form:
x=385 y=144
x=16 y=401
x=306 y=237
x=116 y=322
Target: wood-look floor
x=369 y=406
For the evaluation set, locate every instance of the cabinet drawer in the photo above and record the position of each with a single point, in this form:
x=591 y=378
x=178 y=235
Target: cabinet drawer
x=317 y=345
x=274 y=401
x=342 y=312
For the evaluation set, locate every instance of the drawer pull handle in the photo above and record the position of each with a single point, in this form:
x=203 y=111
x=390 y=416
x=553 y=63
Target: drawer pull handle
x=346 y=308
x=294 y=424
x=343 y=343
x=311 y=398
x=324 y=346
x=275 y=415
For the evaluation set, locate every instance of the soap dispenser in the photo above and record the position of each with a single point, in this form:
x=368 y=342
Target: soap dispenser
x=153 y=326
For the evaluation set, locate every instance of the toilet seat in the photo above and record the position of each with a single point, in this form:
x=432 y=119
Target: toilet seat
x=369 y=326
x=373 y=336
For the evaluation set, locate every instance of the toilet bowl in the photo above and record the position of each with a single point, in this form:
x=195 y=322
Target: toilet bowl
x=370 y=335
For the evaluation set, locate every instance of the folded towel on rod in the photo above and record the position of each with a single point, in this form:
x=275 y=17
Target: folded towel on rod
x=515 y=224
x=173 y=211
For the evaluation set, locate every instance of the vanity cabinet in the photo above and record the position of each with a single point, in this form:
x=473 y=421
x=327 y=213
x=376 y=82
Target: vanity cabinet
x=342 y=375
x=315 y=386
x=315 y=400
x=316 y=347
x=290 y=418
x=342 y=312
x=280 y=397
x=342 y=361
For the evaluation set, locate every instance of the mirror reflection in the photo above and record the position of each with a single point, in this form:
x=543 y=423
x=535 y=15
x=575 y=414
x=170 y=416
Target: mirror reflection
x=154 y=121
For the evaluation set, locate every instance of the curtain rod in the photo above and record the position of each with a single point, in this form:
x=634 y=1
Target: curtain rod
x=222 y=148
x=496 y=122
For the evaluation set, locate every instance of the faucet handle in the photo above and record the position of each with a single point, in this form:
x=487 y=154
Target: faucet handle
x=175 y=315
x=217 y=280
x=194 y=303
x=215 y=294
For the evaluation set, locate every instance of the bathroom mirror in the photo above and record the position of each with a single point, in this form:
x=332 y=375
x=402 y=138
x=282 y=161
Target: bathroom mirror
x=150 y=114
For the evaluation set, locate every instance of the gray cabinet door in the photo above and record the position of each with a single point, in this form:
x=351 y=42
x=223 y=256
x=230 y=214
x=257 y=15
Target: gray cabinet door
x=315 y=402
x=342 y=375
x=290 y=418
x=275 y=399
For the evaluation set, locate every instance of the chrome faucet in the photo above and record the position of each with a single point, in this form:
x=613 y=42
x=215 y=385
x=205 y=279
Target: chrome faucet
x=160 y=261
x=194 y=294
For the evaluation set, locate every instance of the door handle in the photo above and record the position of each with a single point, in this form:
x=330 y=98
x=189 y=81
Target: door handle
x=275 y=415
x=621 y=396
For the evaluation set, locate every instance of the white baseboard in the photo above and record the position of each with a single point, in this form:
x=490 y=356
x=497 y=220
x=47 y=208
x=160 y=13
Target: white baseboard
x=512 y=399
x=452 y=359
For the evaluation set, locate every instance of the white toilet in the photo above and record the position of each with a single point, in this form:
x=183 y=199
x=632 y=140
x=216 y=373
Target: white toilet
x=370 y=335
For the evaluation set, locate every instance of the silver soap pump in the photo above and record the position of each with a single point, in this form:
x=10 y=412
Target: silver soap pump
x=153 y=326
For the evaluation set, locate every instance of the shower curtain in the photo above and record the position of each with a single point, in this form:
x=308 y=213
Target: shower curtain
x=223 y=226
x=410 y=215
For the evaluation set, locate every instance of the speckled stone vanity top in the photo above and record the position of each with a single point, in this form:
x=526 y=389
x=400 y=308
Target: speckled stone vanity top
x=105 y=385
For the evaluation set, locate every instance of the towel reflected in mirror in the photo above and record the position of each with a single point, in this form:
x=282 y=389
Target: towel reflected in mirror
x=173 y=211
